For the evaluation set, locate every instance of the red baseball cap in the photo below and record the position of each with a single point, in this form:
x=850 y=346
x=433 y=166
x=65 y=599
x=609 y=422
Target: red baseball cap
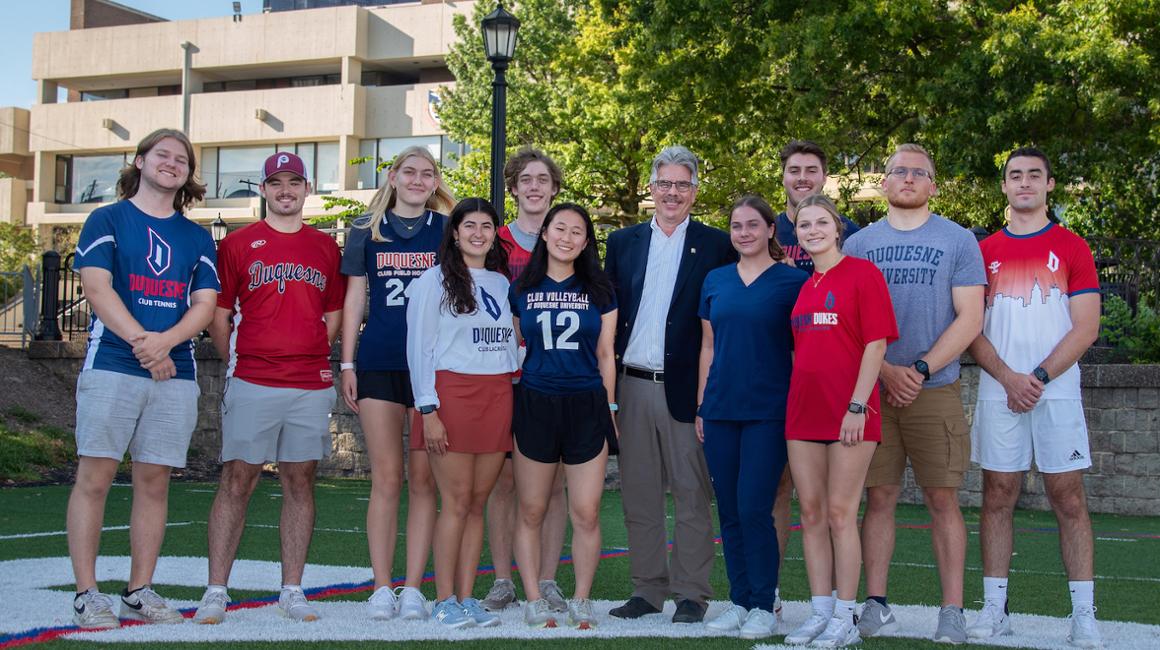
x=284 y=161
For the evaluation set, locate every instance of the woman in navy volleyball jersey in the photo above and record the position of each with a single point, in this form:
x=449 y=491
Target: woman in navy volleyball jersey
x=744 y=378
x=386 y=250
x=842 y=322
x=564 y=309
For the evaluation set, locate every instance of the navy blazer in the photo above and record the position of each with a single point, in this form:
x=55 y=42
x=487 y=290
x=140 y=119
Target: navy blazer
x=626 y=257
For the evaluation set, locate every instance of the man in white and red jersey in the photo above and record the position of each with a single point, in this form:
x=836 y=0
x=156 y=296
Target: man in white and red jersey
x=278 y=313
x=533 y=179
x=1042 y=314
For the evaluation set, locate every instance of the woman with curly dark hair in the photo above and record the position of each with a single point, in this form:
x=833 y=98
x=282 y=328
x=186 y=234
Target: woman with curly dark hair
x=565 y=310
x=461 y=351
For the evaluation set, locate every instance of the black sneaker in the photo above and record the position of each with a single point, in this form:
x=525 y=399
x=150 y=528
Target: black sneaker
x=635 y=607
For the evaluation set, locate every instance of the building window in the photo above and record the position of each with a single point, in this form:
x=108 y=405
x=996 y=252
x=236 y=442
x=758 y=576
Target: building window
x=88 y=179
x=236 y=172
x=327 y=176
x=239 y=171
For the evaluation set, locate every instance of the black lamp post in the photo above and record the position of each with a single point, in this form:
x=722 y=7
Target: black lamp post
x=219 y=229
x=499 y=42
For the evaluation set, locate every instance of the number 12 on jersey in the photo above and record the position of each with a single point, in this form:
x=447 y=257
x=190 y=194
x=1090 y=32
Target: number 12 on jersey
x=569 y=320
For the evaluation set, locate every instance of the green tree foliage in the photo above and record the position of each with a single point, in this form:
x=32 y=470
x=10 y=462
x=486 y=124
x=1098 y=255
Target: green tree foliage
x=17 y=248
x=604 y=84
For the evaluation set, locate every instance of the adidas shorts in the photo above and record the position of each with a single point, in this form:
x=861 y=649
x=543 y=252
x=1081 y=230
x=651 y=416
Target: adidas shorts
x=265 y=424
x=153 y=420
x=1054 y=432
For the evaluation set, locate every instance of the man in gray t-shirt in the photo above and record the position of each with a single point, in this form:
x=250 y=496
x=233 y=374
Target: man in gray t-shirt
x=934 y=271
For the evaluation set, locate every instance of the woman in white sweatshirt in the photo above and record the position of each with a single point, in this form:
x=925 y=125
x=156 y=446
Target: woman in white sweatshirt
x=461 y=351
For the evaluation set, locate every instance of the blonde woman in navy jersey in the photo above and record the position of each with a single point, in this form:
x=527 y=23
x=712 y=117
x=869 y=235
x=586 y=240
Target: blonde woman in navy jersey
x=564 y=308
x=386 y=250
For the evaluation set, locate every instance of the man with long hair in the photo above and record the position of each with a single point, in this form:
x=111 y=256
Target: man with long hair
x=279 y=311
x=149 y=274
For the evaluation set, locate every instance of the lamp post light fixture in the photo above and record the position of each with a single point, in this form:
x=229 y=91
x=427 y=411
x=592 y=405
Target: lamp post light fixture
x=499 y=43
x=219 y=229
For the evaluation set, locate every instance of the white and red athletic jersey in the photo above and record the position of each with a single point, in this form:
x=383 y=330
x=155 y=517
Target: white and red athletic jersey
x=1030 y=280
x=279 y=286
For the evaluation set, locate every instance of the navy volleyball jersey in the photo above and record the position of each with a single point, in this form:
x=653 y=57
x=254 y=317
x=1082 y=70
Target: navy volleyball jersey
x=389 y=267
x=561 y=329
x=156 y=264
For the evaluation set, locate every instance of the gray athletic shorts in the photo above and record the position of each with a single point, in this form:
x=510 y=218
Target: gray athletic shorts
x=152 y=420
x=264 y=424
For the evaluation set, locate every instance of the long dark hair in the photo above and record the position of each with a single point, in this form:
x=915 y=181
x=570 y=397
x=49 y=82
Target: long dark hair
x=762 y=206
x=130 y=179
x=458 y=287
x=586 y=267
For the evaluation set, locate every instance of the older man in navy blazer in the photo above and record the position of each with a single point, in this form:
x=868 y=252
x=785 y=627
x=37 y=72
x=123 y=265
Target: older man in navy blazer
x=658 y=268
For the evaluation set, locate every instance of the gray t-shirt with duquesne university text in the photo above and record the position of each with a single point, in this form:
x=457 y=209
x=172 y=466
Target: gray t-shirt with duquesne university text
x=921 y=267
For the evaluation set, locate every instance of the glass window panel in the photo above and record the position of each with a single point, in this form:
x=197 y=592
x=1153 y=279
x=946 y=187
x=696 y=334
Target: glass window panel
x=94 y=178
x=367 y=176
x=305 y=151
x=327 y=168
x=209 y=171
x=240 y=170
x=452 y=152
x=390 y=147
x=60 y=191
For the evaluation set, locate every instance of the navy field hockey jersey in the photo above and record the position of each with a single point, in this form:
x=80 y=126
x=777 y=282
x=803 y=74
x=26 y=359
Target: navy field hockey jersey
x=156 y=264
x=389 y=267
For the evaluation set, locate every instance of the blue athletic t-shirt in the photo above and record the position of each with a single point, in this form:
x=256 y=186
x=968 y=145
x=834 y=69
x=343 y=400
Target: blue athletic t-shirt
x=561 y=328
x=389 y=267
x=752 y=342
x=156 y=264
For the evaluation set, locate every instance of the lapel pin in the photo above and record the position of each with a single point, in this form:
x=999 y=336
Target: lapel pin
x=692 y=250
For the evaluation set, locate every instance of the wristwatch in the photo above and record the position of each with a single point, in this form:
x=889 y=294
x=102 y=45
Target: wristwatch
x=922 y=369
x=427 y=409
x=613 y=406
x=856 y=407
x=1041 y=374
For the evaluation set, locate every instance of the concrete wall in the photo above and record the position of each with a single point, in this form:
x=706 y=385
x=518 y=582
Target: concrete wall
x=1121 y=402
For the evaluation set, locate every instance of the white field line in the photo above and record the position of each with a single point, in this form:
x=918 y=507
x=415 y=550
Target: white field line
x=58 y=533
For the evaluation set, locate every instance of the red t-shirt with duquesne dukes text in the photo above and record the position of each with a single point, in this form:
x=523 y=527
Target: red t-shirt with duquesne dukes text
x=837 y=313
x=280 y=285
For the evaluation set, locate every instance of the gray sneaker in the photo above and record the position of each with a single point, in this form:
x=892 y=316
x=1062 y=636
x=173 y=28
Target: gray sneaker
x=952 y=626
x=580 y=614
x=876 y=619
x=92 y=609
x=501 y=594
x=550 y=591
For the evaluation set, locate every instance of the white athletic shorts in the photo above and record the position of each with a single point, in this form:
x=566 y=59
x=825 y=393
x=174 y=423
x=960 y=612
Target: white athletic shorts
x=152 y=420
x=266 y=424
x=1054 y=432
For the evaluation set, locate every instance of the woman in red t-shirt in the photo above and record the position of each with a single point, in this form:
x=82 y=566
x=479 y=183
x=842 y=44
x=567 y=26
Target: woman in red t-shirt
x=841 y=323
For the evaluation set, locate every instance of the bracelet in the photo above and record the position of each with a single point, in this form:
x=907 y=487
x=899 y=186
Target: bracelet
x=346 y=365
x=613 y=406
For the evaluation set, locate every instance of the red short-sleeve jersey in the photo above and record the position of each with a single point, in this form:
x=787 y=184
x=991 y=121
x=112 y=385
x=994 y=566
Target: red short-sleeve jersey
x=279 y=286
x=837 y=313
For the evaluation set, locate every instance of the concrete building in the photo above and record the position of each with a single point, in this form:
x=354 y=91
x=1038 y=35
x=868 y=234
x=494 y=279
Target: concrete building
x=331 y=84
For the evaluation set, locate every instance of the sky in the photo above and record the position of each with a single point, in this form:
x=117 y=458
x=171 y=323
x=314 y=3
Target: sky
x=23 y=18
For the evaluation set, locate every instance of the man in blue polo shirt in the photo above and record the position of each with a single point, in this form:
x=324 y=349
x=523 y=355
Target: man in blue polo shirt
x=149 y=274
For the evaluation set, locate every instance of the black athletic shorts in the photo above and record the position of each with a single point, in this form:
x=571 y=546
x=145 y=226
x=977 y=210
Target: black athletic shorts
x=387 y=385
x=550 y=428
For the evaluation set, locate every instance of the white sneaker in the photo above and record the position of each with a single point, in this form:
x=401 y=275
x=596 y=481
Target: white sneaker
x=412 y=604
x=580 y=614
x=145 y=605
x=729 y=620
x=293 y=604
x=537 y=614
x=808 y=631
x=212 y=609
x=92 y=609
x=382 y=605
x=758 y=624
x=991 y=621
x=840 y=632
x=1084 y=631
x=777 y=608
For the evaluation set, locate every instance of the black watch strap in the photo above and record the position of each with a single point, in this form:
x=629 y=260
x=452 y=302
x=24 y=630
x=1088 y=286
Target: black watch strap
x=922 y=369
x=1041 y=375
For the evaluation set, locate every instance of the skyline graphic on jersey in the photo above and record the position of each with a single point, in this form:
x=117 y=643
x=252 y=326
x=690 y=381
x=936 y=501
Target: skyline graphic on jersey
x=1025 y=280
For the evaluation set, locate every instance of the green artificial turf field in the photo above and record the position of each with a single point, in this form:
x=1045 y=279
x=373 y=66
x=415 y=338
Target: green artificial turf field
x=1127 y=557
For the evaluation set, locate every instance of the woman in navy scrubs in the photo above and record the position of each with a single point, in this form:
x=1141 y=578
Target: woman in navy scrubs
x=744 y=380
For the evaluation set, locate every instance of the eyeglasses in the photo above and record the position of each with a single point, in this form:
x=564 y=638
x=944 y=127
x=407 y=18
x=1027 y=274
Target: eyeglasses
x=918 y=172
x=682 y=186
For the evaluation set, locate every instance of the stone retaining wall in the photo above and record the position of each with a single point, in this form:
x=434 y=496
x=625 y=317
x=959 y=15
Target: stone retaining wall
x=1121 y=403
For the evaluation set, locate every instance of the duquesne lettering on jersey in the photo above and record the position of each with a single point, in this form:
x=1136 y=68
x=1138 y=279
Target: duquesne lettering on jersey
x=155 y=263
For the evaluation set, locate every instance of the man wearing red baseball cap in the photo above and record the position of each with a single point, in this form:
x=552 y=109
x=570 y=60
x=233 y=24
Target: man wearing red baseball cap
x=276 y=318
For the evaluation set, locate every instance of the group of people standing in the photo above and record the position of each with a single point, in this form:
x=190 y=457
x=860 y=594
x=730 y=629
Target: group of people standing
x=713 y=361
